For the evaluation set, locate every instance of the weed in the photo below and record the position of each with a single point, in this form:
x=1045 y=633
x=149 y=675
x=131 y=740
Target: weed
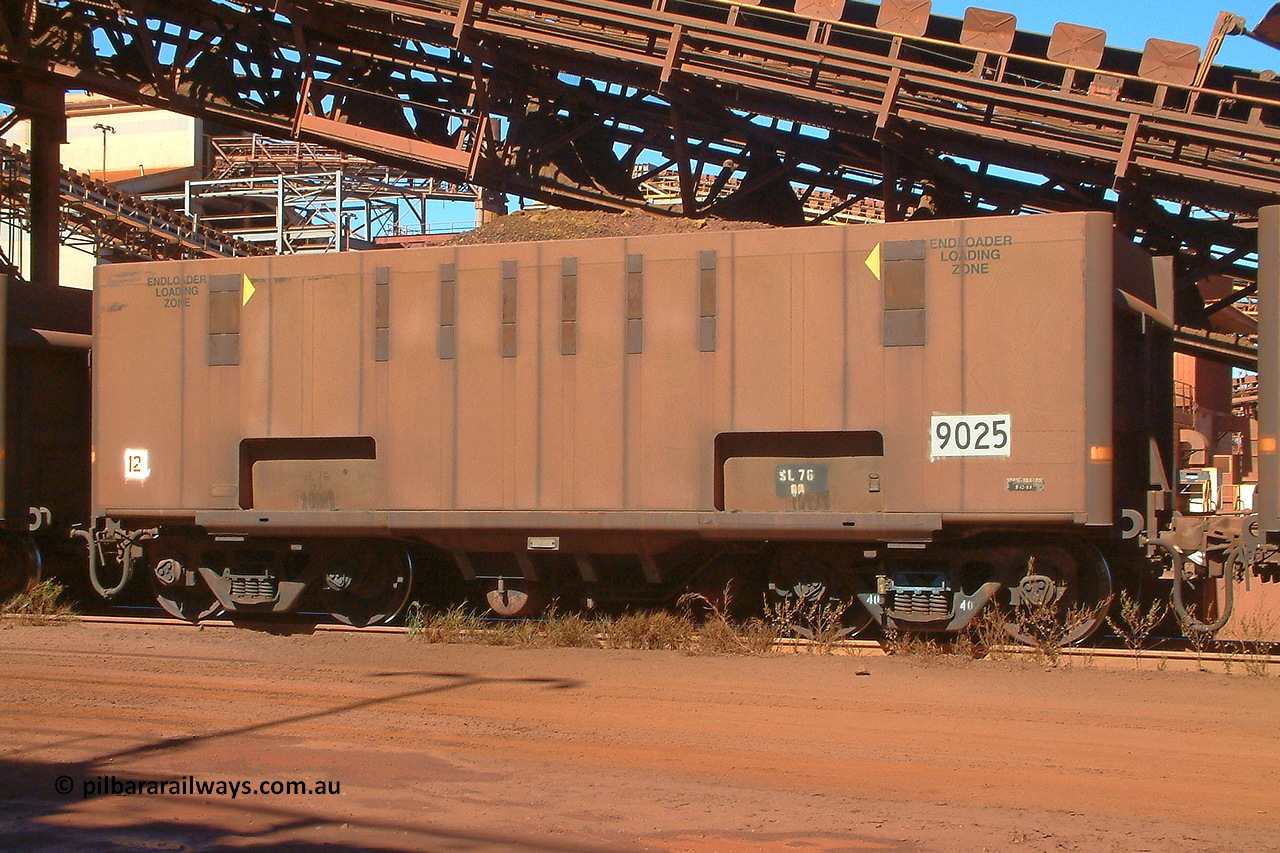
x=1134 y=624
x=716 y=634
x=1197 y=635
x=1047 y=628
x=892 y=639
x=964 y=646
x=818 y=619
x=1255 y=663
x=826 y=623
x=986 y=635
x=784 y=614
x=647 y=630
x=1257 y=632
x=562 y=630
x=575 y=630
x=414 y=615
x=909 y=643
x=39 y=604
x=455 y=625
x=758 y=636
x=919 y=645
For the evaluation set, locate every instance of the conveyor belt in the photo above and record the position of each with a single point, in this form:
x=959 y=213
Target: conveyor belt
x=1236 y=350
x=115 y=221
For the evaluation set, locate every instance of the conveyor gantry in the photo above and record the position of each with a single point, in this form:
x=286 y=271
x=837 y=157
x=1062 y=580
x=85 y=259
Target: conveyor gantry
x=560 y=100
x=95 y=213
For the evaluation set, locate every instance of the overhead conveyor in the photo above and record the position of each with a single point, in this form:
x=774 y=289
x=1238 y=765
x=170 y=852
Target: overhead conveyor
x=106 y=220
x=755 y=108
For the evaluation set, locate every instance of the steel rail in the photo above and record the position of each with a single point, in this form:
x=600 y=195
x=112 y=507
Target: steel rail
x=872 y=648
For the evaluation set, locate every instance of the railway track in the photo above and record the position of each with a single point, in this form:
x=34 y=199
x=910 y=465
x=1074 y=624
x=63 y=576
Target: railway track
x=1108 y=648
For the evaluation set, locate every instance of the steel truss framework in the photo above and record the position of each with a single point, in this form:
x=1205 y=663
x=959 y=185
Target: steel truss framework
x=294 y=196
x=578 y=104
x=102 y=220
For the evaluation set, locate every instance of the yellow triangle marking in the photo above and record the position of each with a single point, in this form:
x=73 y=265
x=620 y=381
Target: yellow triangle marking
x=873 y=261
x=246 y=290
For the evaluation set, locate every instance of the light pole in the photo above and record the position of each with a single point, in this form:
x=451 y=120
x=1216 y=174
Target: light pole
x=105 y=128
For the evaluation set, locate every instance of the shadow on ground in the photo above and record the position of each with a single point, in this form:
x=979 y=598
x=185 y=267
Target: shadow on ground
x=44 y=807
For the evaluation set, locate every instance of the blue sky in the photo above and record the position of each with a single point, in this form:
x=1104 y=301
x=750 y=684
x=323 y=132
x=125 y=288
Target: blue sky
x=1129 y=23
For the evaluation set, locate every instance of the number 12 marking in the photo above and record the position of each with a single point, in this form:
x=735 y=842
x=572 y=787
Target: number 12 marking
x=136 y=464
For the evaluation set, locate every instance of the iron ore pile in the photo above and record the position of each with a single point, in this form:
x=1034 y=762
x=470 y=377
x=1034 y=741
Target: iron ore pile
x=553 y=224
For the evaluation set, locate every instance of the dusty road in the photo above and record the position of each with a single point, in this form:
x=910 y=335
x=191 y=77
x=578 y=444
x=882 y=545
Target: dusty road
x=463 y=748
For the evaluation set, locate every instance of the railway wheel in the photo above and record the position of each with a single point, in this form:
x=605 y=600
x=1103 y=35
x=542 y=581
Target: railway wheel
x=366 y=582
x=813 y=596
x=1060 y=590
x=179 y=590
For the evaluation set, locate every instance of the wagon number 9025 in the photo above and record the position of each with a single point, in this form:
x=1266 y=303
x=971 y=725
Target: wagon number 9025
x=969 y=435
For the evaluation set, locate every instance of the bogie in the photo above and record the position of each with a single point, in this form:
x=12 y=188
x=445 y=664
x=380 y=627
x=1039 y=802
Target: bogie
x=195 y=576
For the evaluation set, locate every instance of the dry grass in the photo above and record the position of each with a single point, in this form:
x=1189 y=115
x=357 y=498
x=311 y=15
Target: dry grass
x=649 y=630
x=759 y=637
x=986 y=635
x=717 y=634
x=819 y=620
x=646 y=630
x=701 y=626
x=456 y=625
x=38 y=604
x=905 y=643
x=562 y=630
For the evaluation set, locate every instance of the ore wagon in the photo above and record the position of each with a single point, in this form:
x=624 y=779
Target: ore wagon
x=924 y=416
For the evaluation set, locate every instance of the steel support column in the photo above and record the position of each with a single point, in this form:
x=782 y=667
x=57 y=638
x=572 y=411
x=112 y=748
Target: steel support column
x=45 y=105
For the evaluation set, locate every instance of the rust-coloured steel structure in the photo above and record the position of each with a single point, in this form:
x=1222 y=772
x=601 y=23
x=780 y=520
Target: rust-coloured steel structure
x=559 y=100
x=312 y=196
x=883 y=410
x=114 y=223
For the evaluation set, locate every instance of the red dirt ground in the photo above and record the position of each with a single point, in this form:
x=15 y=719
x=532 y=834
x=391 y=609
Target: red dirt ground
x=469 y=748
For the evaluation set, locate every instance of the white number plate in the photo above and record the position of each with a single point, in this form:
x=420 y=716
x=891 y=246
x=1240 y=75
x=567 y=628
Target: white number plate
x=969 y=435
x=136 y=466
